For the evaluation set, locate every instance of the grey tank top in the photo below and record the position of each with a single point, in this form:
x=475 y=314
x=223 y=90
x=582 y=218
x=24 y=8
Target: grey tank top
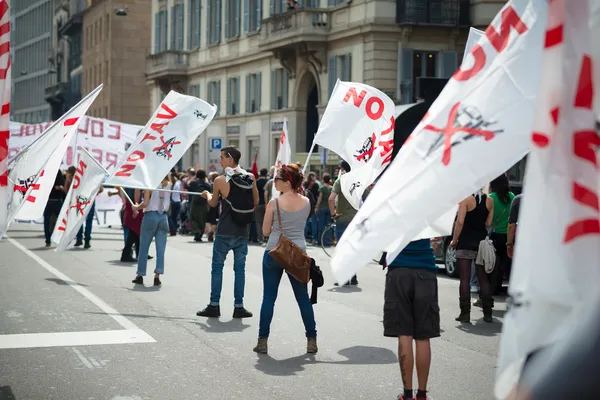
x=293 y=223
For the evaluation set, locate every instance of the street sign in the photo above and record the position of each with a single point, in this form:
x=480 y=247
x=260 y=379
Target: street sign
x=216 y=143
x=324 y=153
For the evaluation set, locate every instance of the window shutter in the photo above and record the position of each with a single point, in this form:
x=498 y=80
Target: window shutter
x=347 y=68
x=273 y=89
x=258 y=90
x=173 y=25
x=209 y=22
x=237 y=95
x=406 y=75
x=227 y=36
x=236 y=7
x=218 y=97
x=164 y=31
x=449 y=63
x=248 y=96
x=180 y=26
x=332 y=73
x=157 y=33
x=258 y=15
x=190 y=19
x=197 y=32
x=228 y=96
x=330 y=3
x=246 y=16
x=285 y=84
x=271 y=7
x=218 y=24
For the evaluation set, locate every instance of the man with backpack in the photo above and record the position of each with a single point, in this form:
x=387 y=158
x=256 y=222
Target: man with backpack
x=239 y=194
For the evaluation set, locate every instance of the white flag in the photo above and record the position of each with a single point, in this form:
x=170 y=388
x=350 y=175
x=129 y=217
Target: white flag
x=476 y=129
x=595 y=43
x=284 y=154
x=6 y=187
x=27 y=168
x=472 y=39
x=556 y=270
x=175 y=125
x=82 y=194
x=358 y=125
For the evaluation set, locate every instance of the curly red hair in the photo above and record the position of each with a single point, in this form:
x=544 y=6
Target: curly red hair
x=292 y=174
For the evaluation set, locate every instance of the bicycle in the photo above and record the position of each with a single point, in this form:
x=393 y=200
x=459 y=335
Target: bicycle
x=329 y=227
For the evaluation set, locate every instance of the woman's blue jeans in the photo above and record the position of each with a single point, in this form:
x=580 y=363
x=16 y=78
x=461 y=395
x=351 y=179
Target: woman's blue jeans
x=272 y=273
x=155 y=225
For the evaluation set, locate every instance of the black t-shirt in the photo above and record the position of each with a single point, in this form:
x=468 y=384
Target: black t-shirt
x=59 y=181
x=198 y=186
x=260 y=185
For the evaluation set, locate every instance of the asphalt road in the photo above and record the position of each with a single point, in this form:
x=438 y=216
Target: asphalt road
x=73 y=326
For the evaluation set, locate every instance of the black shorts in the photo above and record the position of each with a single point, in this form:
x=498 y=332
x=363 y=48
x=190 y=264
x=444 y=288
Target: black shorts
x=411 y=303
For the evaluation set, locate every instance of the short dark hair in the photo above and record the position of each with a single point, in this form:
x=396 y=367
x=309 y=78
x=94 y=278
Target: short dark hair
x=233 y=152
x=345 y=166
x=264 y=172
x=201 y=174
x=326 y=178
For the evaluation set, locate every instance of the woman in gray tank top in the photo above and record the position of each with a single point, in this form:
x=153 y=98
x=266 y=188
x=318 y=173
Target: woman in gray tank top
x=294 y=209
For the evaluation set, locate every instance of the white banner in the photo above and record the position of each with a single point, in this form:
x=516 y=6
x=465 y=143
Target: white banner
x=106 y=140
x=472 y=39
x=556 y=271
x=5 y=87
x=27 y=167
x=284 y=154
x=174 y=126
x=476 y=129
x=81 y=196
x=358 y=125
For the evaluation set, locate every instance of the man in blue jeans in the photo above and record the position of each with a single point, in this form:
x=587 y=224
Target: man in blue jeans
x=239 y=193
x=89 y=220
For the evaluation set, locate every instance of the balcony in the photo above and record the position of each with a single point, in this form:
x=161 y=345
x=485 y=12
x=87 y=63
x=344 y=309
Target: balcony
x=305 y=25
x=170 y=63
x=57 y=93
x=449 y=13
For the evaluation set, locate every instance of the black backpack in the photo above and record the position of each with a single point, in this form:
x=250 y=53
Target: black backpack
x=241 y=199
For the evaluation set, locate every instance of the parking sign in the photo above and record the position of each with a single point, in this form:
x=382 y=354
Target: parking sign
x=216 y=143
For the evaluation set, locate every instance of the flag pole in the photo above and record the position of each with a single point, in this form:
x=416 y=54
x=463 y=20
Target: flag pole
x=312 y=148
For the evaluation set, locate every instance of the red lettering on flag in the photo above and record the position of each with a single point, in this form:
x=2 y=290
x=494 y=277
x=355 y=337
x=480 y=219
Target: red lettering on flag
x=34 y=187
x=554 y=36
x=117 y=135
x=4 y=136
x=541 y=139
x=508 y=20
x=80 y=171
x=71 y=121
x=63 y=225
x=80 y=205
x=388 y=145
x=170 y=113
x=450 y=130
x=357 y=99
x=127 y=168
x=166 y=147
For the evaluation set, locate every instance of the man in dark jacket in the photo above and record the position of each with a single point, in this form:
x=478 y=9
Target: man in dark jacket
x=55 y=201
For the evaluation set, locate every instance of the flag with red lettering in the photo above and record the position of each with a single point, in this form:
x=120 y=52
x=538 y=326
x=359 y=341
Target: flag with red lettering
x=82 y=194
x=284 y=154
x=30 y=169
x=477 y=128
x=595 y=34
x=556 y=271
x=358 y=125
x=174 y=126
x=5 y=84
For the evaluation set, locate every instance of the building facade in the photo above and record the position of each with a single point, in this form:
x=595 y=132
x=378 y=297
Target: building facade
x=115 y=44
x=261 y=62
x=31 y=41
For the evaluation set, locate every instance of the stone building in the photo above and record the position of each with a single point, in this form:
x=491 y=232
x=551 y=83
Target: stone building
x=261 y=61
x=116 y=36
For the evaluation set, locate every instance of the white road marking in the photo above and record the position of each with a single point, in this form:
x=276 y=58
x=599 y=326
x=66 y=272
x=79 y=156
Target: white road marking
x=131 y=334
x=88 y=338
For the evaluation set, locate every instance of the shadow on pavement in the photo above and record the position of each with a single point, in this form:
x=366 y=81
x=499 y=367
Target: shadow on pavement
x=6 y=393
x=478 y=327
x=145 y=316
x=65 y=283
x=142 y=288
x=120 y=263
x=356 y=355
x=213 y=325
x=345 y=289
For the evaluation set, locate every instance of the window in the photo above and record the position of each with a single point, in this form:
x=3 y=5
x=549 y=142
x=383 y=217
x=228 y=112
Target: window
x=233 y=96
x=194 y=18
x=252 y=15
x=232 y=19
x=413 y=64
x=214 y=21
x=333 y=3
x=214 y=94
x=160 y=31
x=177 y=27
x=340 y=67
x=253 y=92
x=279 y=89
x=194 y=90
x=277 y=7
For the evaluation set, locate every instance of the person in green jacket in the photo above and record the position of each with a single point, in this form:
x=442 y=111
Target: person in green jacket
x=503 y=197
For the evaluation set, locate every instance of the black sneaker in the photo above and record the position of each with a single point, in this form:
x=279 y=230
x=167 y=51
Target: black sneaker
x=354 y=281
x=87 y=244
x=48 y=244
x=241 y=312
x=129 y=259
x=139 y=280
x=210 y=312
x=157 y=282
x=78 y=243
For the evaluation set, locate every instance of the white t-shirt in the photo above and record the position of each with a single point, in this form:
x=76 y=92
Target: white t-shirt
x=160 y=201
x=176 y=197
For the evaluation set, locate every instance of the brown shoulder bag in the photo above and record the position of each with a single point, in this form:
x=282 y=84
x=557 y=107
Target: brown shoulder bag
x=290 y=256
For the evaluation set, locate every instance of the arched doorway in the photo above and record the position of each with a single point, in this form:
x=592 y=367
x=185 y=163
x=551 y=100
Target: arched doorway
x=312 y=114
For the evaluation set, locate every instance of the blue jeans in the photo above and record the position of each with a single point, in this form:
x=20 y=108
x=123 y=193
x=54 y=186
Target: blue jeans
x=221 y=246
x=175 y=210
x=155 y=225
x=340 y=227
x=314 y=224
x=324 y=218
x=89 y=221
x=272 y=273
